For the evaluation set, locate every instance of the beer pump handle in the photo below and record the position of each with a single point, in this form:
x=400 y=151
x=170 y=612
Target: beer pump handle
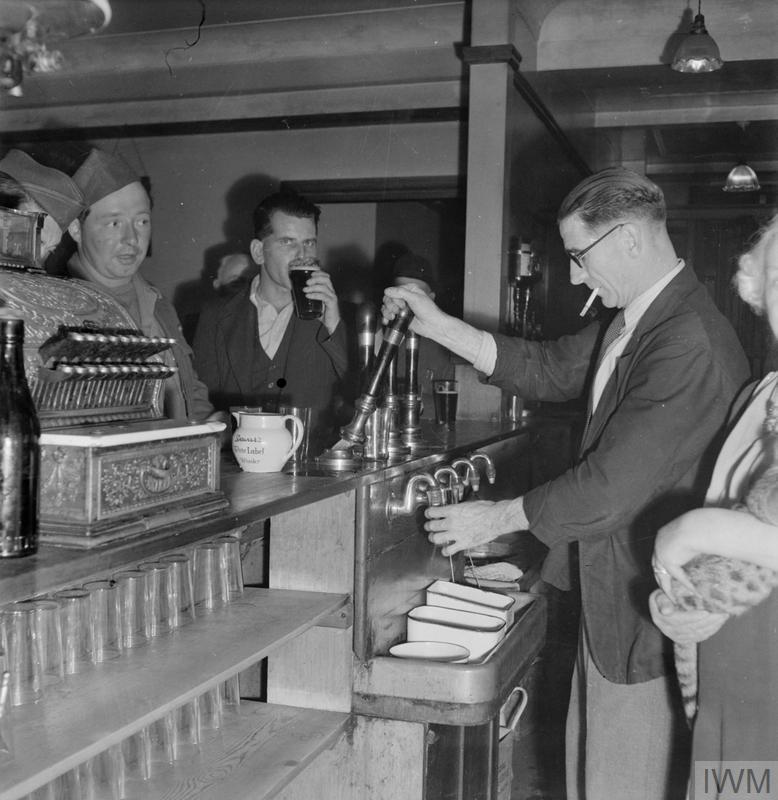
x=341 y=455
x=393 y=337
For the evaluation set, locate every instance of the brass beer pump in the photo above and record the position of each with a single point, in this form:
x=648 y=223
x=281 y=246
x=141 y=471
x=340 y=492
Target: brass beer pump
x=347 y=452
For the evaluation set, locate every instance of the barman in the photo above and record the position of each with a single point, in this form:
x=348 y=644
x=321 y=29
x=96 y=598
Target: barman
x=665 y=371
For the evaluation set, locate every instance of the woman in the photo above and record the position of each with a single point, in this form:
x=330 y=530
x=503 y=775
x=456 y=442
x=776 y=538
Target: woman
x=737 y=718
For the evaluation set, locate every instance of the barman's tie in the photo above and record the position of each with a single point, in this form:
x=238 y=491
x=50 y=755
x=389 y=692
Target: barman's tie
x=612 y=333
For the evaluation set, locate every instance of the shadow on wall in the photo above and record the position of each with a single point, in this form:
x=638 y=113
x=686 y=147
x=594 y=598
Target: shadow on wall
x=351 y=272
x=352 y=278
x=385 y=256
x=240 y=201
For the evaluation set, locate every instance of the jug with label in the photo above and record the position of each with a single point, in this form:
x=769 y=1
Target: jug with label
x=262 y=442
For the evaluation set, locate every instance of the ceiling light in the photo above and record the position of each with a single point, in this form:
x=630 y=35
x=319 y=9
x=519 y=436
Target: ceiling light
x=697 y=52
x=28 y=26
x=741 y=178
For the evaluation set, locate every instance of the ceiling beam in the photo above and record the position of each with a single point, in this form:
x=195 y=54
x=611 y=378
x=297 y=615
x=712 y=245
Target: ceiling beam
x=326 y=102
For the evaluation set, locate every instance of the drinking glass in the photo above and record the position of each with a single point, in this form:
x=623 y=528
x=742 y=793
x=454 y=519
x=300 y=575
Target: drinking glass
x=104 y=619
x=300 y=270
x=108 y=774
x=446 y=396
x=304 y=414
x=48 y=628
x=156 y=616
x=180 y=592
x=136 y=753
x=231 y=563
x=211 y=589
x=185 y=729
x=230 y=694
x=160 y=734
x=20 y=643
x=6 y=729
x=211 y=709
x=131 y=589
x=74 y=614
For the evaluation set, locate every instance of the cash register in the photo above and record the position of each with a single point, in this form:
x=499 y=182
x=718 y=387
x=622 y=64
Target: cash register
x=112 y=467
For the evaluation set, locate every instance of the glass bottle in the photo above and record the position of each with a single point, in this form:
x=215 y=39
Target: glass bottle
x=19 y=453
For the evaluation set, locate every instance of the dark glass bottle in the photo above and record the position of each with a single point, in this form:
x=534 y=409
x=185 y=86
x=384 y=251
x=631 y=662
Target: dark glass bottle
x=19 y=453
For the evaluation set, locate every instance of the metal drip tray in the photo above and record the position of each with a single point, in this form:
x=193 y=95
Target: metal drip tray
x=451 y=694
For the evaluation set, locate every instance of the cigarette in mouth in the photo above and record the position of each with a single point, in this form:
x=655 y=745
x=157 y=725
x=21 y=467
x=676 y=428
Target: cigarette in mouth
x=589 y=302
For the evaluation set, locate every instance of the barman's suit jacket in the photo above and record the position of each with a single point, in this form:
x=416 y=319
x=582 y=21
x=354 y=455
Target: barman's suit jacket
x=647 y=456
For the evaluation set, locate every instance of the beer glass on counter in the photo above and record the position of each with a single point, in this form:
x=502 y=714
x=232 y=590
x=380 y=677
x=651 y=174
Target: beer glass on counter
x=446 y=395
x=300 y=270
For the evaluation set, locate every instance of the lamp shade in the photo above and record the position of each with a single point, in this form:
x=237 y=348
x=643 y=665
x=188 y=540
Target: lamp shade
x=697 y=52
x=27 y=27
x=741 y=178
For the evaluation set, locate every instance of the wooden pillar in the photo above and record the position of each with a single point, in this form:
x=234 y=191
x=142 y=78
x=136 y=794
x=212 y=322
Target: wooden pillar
x=518 y=162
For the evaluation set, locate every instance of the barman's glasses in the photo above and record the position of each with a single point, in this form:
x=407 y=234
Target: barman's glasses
x=577 y=257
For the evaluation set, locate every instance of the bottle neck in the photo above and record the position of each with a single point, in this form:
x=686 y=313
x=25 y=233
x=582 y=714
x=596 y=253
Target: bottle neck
x=11 y=346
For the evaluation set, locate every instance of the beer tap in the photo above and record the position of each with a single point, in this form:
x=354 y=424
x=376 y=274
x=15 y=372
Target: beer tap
x=471 y=477
x=410 y=401
x=394 y=442
x=491 y=470
x=453 y=487
x=374 y=448
x=342 y=454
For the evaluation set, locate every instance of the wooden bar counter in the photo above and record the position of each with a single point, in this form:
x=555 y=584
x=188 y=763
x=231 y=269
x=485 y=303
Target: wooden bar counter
x=329 y=579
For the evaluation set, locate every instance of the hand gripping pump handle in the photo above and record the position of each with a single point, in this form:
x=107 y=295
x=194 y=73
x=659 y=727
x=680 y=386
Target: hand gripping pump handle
x=354 y=432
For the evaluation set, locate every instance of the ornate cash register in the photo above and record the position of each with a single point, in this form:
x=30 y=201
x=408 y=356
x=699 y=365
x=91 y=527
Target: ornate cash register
x=111 y=466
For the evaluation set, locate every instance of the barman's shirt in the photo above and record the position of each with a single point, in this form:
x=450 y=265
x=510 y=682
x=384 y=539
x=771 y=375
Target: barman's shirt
x=271 y=324
x=632 y=313
x=486 y=359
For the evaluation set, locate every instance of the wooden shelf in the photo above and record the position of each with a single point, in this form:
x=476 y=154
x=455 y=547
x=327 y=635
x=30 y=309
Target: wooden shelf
x=254 y=755
x=108 y=702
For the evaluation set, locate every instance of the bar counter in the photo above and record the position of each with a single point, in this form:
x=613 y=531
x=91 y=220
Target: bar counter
x=252 y=497
x=330 y=577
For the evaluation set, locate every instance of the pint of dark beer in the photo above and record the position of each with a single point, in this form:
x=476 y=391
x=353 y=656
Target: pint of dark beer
x=446 y=395
x=300 y=269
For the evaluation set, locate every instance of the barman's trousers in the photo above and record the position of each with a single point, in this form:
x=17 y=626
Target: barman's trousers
x=625 y=741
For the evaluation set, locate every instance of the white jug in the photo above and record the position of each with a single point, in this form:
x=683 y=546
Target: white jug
x=262 y=442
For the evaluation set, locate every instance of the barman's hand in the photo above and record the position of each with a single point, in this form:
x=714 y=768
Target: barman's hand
x=429 y=321
x=476 y=522
x=319 y=287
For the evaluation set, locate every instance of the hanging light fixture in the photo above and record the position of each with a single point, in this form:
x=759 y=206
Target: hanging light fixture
x=741 y=178
x=697 y=52
x=27 y=26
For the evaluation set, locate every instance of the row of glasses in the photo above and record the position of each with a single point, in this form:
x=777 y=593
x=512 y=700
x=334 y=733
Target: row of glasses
x=47 y=638
x=121 y=770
